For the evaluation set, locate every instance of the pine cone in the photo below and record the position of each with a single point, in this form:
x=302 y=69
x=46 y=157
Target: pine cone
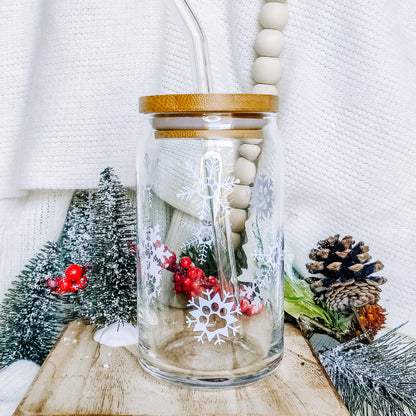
x=346 y=282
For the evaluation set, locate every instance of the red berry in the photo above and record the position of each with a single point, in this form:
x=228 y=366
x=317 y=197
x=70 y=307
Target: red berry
x=177 y=277
x=170 y=255
x=64 y=285
x=60 y=291
x=51 y=283
x=195 y=285
x=254 y=309
x=73 y=288
x=73 y=272
x=212 y=280
x=186 y=283
x=178 y=287
x=244 y=305
x=186 y=262
x=199 y=273
x=82 y=282
x=192 y=273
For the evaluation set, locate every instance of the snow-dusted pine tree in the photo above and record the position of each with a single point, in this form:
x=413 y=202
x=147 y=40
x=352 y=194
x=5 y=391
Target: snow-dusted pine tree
x=31 y=317
x=111 y=292
x=76 y=238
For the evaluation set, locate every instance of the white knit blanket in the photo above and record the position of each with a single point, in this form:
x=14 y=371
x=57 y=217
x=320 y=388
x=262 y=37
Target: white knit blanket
x=71 y=74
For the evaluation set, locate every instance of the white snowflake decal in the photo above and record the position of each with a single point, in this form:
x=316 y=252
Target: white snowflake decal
x=202 y=237
x=269 y=262
x=150 y=167
x=252 y=293
x=262 y=197
x=210 y=313
x=210 y=187
x=151 y=253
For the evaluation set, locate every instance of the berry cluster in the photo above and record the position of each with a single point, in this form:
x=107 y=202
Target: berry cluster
x=192 y=281
x=188 y=279
x=249 y=306
x=73 y=281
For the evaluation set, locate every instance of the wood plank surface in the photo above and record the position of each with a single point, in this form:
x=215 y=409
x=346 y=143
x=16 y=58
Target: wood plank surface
x=81 y=377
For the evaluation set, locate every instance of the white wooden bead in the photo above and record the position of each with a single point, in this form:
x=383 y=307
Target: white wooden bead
x=269 y=42
x=267 y=70
x=236 y=240
x=252 y=141
x=249 y=151
x=240 y=196
x=265 y=89
x=245 y=170
x=274 y=15
x=238 y=219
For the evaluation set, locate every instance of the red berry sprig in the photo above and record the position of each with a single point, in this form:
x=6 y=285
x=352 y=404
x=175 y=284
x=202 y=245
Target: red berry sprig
x=73 y=281
x=192 y=281
x=187 y=278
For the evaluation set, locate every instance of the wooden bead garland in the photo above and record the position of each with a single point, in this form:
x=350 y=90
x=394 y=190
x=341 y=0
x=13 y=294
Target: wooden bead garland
x=268 y=45
x=273 y=18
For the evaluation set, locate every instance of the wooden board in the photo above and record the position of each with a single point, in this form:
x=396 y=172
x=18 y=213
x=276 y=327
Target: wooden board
x=81 y=377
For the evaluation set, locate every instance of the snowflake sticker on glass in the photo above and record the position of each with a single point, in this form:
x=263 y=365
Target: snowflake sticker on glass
x=150 y=168
x=152 y=253
x=214 y=317
x=262 y=197
x=210 y=188
x=269 y=262
x=202 y=237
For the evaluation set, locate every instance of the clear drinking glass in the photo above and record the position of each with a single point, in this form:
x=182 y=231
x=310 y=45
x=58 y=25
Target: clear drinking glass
x=210 y=239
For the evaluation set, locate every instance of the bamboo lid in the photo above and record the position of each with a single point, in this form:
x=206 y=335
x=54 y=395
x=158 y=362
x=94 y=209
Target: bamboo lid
x=197 y=103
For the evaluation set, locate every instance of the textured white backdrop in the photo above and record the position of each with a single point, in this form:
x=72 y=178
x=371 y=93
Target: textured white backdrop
x=71 y=74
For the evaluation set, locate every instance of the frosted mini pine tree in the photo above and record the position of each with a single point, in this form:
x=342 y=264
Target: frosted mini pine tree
x=111 y=293
x=31 y=318
x=76 y=236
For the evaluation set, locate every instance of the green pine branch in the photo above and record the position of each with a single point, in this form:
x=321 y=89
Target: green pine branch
x=376 y=379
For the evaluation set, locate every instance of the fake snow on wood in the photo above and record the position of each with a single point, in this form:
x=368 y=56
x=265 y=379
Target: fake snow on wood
x=117 y=335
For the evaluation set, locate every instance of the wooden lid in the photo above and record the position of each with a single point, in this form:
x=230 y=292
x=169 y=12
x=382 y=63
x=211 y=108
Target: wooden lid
x=209 y=134
x=189 y=103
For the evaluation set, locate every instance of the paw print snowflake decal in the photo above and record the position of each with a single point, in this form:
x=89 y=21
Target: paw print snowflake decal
x=210 y=188
x=262 y=197
x=213 y=317
x=151 y=253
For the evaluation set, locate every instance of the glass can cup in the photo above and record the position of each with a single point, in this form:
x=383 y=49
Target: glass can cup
x=210 y=239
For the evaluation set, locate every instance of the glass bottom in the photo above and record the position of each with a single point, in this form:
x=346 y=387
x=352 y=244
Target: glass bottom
x=168 y=349
x=219 y=381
